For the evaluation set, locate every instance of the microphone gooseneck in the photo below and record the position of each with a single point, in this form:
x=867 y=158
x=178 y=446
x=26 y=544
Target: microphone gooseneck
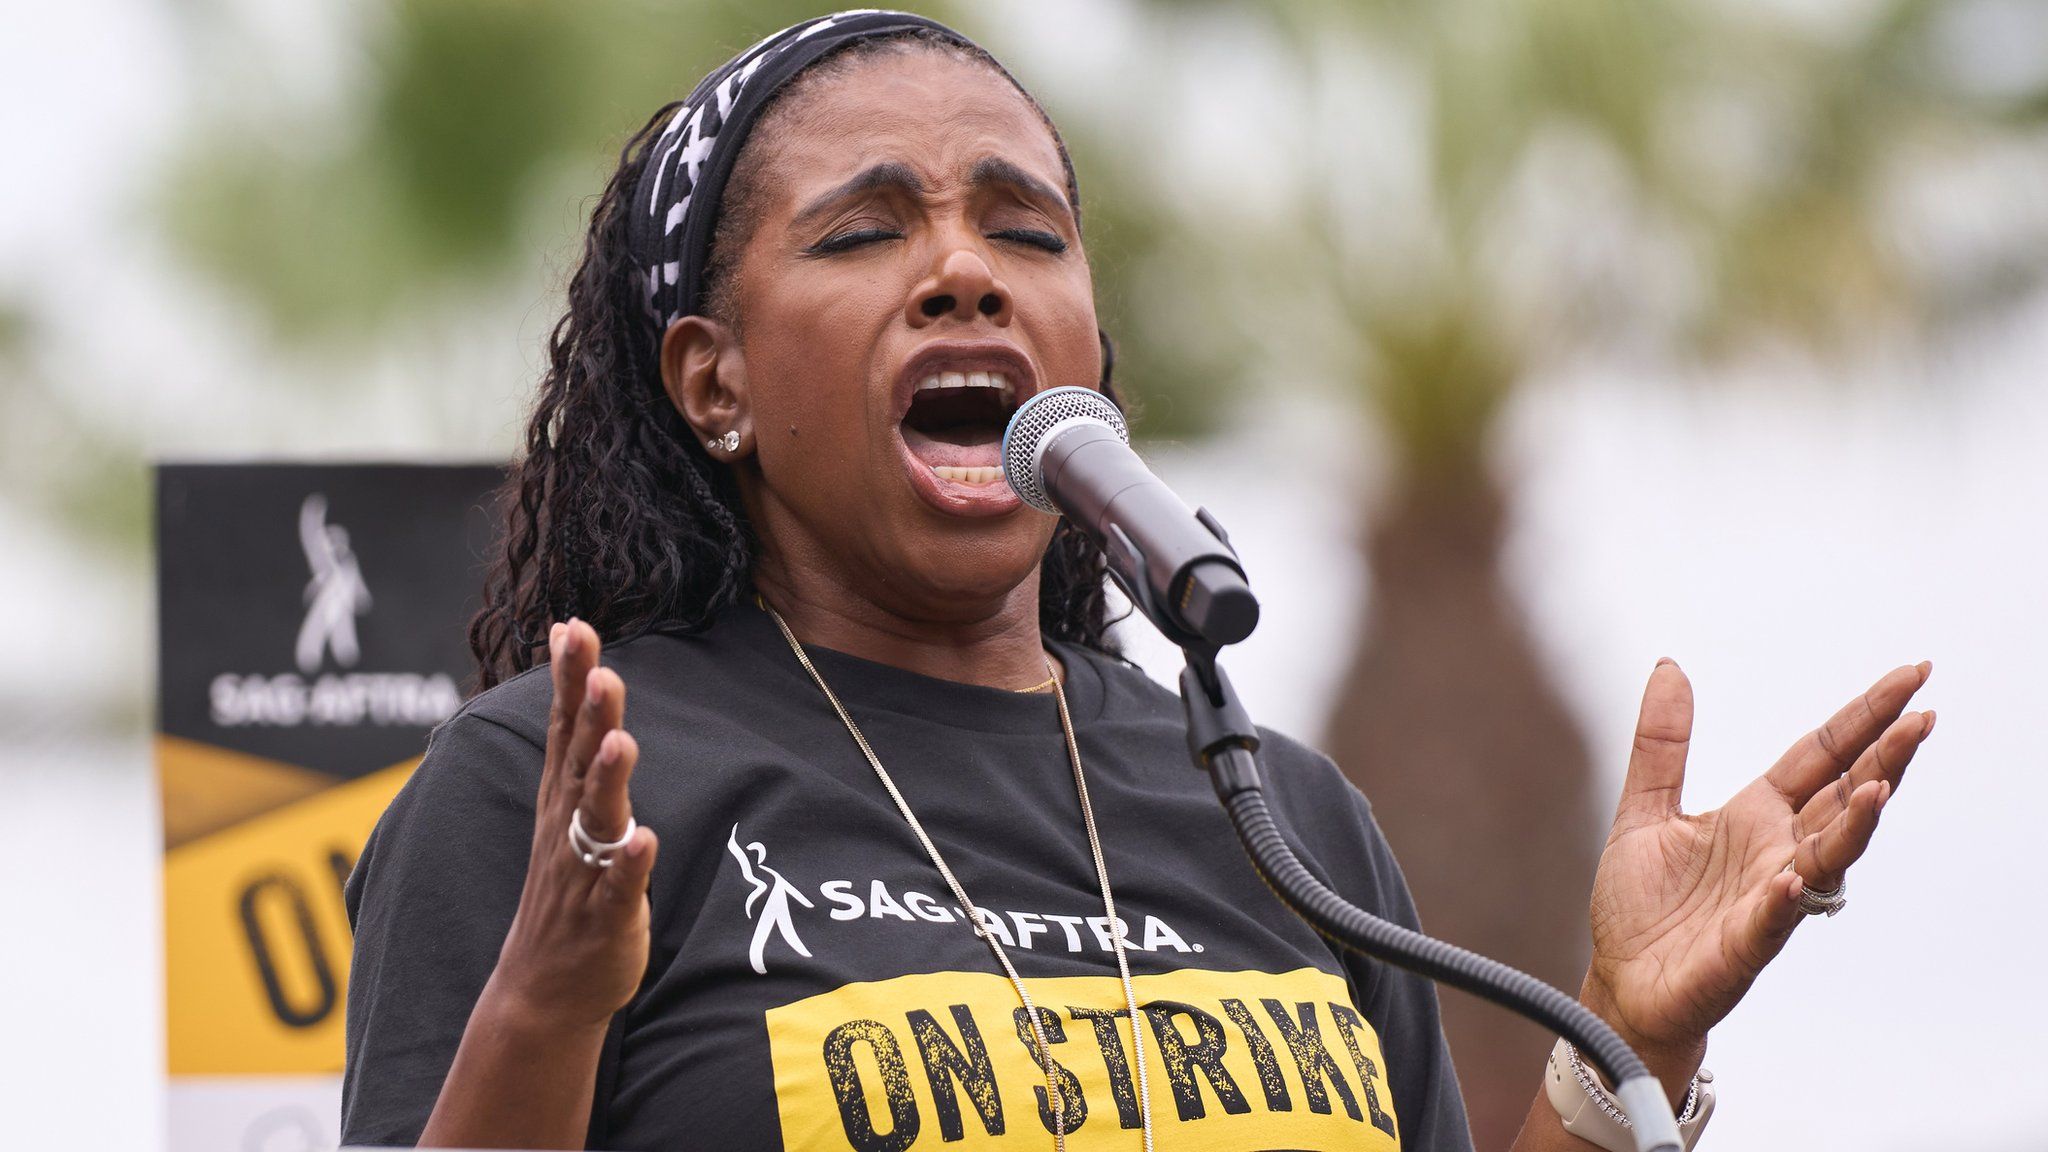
x=1066 y=452
x=1223 y=742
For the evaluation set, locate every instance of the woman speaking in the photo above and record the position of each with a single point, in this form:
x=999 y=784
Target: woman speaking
x=893 y=851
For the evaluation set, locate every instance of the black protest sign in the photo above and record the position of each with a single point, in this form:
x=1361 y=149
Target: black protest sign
x=312 y=624
x=315 y=614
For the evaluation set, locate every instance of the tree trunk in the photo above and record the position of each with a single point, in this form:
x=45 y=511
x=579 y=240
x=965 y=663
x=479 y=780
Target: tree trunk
x=1479 y=774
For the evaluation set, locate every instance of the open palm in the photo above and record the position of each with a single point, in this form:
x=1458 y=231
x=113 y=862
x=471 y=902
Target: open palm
x=1687 y=909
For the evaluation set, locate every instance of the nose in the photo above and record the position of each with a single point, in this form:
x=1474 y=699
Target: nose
x=963 y=287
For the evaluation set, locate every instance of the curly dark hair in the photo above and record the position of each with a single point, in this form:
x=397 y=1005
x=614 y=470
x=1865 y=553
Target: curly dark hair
x=615 y=513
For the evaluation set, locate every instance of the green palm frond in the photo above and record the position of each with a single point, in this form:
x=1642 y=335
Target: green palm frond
x=480 y=125
x=1761 y=155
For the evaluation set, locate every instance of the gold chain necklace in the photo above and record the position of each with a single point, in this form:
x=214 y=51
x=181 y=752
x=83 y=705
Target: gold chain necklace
x=974 y=914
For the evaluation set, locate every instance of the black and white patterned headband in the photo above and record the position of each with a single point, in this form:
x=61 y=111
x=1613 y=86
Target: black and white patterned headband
x=675 y=204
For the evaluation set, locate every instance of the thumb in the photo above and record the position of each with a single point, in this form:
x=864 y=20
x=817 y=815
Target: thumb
x=1656 y=762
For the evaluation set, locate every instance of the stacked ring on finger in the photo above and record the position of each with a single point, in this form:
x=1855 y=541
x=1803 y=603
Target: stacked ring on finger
x=594 y=852
x=1824 y=903
x=1815 y=902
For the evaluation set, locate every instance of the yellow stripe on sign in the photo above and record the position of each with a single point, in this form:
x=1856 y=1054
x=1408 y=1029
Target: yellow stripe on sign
x=256 y=940
x=1234 y=1061
x=206 y=788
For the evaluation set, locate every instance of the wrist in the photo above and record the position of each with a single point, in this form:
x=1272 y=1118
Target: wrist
x=1672 y=1060
x=515 y=1012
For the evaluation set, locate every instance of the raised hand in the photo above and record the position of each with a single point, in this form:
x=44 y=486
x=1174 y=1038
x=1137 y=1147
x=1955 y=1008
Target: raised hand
x=1688 y=909
x=523 y=1075
x=578 y=944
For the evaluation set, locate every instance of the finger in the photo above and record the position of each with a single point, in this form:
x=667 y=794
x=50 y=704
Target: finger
x=626 y=880
x=1831 y=749
x=604 y=709
x=1824 y=857
x=1656 y=764
x=606 y=804
x=1773 y=914
x=1885 y=760
x=572 y=651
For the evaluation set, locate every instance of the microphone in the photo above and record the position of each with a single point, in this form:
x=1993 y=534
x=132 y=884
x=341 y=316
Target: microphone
x=1067 y=452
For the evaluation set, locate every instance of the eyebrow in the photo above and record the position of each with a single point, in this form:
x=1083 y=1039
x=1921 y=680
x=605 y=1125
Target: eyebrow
x=900 y=177
x=996 y=170
x=889 y=174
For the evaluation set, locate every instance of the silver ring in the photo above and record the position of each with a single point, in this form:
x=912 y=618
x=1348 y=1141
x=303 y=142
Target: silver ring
x=596 y=853
x=1815 y=902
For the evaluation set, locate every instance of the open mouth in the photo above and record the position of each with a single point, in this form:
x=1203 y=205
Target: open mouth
x=955 y=425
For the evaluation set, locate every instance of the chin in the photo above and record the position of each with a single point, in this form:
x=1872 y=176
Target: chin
x=976 y=569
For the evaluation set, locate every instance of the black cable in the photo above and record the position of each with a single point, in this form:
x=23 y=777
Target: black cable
x=1362 y=932
x=1222 y=740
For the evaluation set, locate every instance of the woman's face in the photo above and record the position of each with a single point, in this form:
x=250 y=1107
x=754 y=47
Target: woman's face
x=915 y=273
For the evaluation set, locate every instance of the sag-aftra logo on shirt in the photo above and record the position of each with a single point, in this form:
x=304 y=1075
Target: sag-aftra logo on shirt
x=770 y=896
x=1232 y=1060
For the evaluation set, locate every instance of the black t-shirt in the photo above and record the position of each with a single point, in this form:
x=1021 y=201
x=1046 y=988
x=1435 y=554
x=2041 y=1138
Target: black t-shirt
x=811 y=983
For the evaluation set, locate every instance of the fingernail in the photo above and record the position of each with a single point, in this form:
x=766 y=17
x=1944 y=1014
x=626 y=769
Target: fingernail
x=1663 y=660
x=1926 y=668
x=593 y=688
x=1930 y=723
x=1884 y=793
x=607 y=750
x=569 y=637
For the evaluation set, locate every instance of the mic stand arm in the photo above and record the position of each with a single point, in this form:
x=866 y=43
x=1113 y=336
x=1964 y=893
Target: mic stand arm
x=1222 y=740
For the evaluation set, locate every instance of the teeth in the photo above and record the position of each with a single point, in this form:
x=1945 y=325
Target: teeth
x=967 y=475
x=964 y=380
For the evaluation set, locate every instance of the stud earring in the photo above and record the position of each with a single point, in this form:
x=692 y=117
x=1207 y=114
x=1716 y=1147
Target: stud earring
x=730 y=442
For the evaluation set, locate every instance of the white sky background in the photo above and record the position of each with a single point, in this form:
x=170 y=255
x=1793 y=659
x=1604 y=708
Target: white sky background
x=1785 y=542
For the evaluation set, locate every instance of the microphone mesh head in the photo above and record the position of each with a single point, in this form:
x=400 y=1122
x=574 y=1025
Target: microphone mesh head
x=1040 y=415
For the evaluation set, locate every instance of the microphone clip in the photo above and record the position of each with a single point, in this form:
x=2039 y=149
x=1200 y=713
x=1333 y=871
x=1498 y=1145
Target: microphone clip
x=1128 y=567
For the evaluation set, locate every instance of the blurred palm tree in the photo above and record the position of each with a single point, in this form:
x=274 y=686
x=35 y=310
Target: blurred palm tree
x=445 y=171
x=1491 y=190
x=1540 y=183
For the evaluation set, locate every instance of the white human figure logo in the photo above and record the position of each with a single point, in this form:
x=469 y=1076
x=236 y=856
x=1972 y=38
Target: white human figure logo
x=335 y=595
x=775 y=914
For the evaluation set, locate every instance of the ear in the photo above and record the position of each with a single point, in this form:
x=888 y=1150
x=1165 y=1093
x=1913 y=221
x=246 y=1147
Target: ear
x=705 y=375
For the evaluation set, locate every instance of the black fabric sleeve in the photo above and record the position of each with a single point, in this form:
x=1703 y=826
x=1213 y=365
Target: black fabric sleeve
x=1331 y=825
x=1404 y=1006
x=431 y=899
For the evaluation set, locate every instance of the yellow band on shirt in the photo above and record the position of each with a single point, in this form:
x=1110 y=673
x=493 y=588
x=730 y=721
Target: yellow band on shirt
x=1235 y=1060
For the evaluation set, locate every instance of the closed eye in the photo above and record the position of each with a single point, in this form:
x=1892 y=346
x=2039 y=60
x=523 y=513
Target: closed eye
x=1046 y=240
x=853 y=239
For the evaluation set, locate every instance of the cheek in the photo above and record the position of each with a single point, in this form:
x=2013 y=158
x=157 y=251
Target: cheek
x=1060 y=318
x=810 y=363
x=812 y=427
